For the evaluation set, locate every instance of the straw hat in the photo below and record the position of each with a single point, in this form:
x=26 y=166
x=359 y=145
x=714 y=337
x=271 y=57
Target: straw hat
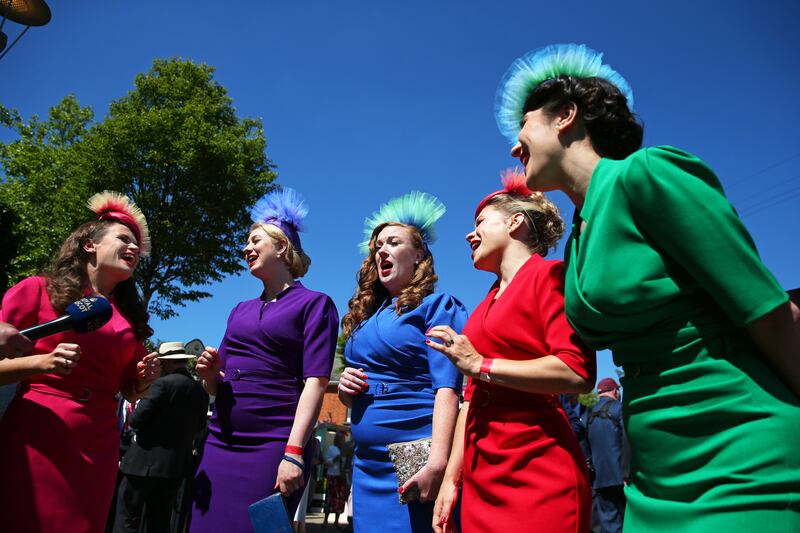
x=173 y=350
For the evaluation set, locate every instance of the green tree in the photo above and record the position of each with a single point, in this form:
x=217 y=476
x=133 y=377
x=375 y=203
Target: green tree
x=41 y=188
x=176 y=146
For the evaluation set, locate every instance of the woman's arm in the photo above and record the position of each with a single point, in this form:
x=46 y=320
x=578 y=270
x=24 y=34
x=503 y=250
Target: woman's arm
x=428 y=479
x=543 y=375
x=352 y=382
x=777 y=336
x=147 y=371
x=290 y=476
x=451 y=484
x=60 y=361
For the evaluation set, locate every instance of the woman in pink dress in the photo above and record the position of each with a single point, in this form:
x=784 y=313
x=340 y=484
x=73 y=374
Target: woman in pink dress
x=59 y=441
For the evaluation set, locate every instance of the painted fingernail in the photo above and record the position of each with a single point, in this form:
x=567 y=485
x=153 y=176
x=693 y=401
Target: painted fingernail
x=444 y=520
x=401 y=490
x=427 y=341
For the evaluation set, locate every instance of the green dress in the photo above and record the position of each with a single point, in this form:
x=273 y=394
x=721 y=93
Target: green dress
x=665 y=275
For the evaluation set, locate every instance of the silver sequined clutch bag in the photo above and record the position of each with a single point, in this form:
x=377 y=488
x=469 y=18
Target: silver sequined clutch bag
x=408 y=459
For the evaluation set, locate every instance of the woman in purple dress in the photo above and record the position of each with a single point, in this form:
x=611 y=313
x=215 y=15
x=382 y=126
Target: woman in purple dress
x=268 y=377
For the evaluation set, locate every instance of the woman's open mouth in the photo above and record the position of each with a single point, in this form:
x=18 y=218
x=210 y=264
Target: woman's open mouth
x=129 y=258
x=251 y=259
x=386 y=268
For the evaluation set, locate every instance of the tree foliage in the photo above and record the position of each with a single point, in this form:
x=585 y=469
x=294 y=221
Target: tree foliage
x=175 y=145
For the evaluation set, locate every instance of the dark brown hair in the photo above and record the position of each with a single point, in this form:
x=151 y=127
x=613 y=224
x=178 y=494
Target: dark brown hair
x=614 y=131
x=370 y=293
x=67 y=278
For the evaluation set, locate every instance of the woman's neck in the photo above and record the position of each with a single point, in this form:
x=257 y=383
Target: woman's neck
x=578 y=166
x=100 y=284
x=514 y=256
x=276 y=283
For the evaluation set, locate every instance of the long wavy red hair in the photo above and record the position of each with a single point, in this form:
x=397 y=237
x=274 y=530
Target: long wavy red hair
x=371 y=293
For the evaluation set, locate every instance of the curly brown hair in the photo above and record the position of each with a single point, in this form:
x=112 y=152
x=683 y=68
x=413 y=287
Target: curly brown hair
x=67 y=278
x=544 y=222
x=370 y=293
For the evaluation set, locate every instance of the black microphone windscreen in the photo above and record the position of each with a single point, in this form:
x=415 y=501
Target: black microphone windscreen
x=89 y=314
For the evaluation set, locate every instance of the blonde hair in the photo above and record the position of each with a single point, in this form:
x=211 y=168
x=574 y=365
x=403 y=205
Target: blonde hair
x=544 y=222
x=296 y=261
x=371 y=293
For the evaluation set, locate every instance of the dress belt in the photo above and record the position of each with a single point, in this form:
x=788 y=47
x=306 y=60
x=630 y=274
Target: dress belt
x=234 y=374
x=67 y=390
x=380 y=388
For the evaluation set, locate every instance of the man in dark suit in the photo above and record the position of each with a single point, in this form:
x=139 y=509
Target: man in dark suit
x=607 y=441
x=159 y=458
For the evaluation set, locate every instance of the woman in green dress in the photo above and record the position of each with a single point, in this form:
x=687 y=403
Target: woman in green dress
x=661 y=270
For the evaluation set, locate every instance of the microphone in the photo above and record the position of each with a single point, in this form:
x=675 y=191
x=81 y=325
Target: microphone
x=83 y=316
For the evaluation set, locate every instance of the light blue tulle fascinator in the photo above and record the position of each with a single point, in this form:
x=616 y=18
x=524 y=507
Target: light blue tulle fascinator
x=285 y=209
x=417 y=209
x=543 y=64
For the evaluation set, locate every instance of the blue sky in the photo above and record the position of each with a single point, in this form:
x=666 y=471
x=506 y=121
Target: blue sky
x=364 y=101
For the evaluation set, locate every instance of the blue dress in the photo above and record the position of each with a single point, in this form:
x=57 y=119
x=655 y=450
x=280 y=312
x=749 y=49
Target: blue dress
x=403 y=376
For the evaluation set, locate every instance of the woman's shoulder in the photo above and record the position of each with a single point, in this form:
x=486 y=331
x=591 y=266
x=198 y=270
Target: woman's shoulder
x=437 y=302
x=27 y=287
x=312 y=298
x=537 y=273
x=665 y=167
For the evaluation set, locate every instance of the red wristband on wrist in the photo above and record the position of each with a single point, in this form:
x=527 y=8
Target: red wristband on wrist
x=297 y=450
x=486 y=369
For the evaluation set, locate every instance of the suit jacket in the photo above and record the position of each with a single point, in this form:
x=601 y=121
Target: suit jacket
x=166 y=421
x=607 y=441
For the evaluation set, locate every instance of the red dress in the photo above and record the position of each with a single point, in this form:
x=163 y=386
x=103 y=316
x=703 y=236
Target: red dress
x=59 y=439
x=523 y=468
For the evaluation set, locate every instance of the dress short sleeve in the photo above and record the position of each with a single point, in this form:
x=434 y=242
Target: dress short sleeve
x=20 y=306
x=678 y=202
x=560 y=339
x=444 y=310
x=320 y=330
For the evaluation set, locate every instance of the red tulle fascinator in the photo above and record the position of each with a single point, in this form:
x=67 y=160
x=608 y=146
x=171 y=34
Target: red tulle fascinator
x=513 y=180
x=110 y=205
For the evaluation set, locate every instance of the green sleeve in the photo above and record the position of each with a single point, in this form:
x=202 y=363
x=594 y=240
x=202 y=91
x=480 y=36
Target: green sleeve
x=678 y=202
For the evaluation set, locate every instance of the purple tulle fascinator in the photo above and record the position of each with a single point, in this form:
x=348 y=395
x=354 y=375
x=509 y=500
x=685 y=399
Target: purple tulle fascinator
x=285 y=209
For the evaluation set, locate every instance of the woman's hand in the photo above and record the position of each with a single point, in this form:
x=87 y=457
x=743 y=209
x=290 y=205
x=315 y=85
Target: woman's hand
x=148 y=370
x=443 y=508
x=353 y=381
x=290 y=476
x=457 y=348
x=208 y=365
x=60 y=361
x=427 y=481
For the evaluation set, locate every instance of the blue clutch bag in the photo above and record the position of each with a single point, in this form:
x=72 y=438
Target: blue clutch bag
x=269 y=515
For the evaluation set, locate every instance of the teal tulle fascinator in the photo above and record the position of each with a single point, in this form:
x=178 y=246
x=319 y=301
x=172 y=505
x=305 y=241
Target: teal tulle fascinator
x=537 y=66
x=417 y=209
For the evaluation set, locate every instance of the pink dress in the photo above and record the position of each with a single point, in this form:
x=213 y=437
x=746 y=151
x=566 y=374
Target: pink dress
x=59 y=439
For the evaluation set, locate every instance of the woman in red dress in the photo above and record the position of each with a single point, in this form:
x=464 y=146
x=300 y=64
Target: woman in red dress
x=521 y=464
x=59 y=440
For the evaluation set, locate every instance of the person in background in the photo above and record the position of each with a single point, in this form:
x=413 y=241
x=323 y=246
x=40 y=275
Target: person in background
x=662 y=271
x=269 y=377
x=159 y=457
x=59 y=439
x=335 y=483
x=400 y=390
x=607 y=441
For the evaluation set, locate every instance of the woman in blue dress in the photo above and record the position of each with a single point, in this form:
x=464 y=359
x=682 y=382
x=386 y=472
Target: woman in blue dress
x=398 y=388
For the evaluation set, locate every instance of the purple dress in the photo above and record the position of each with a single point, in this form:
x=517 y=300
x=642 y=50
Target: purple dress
x=268 y=350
